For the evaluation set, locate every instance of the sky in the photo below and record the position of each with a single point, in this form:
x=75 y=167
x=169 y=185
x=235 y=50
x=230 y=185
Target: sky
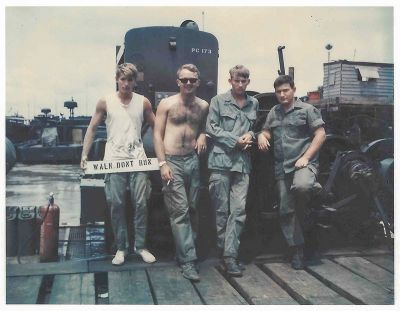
x=55 y=53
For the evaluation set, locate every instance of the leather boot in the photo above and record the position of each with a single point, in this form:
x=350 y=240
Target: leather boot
x=298 y=258
x=232 y=267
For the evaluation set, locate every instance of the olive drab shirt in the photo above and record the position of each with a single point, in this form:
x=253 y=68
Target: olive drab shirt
x=292 y=133
x=226 y=122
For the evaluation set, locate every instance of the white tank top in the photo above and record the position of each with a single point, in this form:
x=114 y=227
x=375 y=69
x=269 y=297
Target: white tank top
x=124 y=124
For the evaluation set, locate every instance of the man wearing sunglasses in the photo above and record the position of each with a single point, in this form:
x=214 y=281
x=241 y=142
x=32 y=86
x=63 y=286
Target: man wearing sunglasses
x=179 y=137
x=229 y=123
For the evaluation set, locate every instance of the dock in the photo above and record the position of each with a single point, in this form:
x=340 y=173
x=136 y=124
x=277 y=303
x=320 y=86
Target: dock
x=84 y=274
x=339 y=277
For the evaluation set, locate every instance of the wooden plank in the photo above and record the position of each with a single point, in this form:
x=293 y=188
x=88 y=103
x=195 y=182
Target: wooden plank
x=376 y=251
x=260 y=289
x=385 y=262
x=343 y=251
x=132 y=262
x=47 y=268
x=352 y=286
x=129 y=287
x=73 y=289
x=171 y=288
x=22 y=289
x=23 y=259
x=303 y=286
x=215 y=289
x=368 y=270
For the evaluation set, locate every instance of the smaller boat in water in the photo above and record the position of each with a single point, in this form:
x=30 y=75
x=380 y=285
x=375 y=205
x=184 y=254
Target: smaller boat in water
x=54 y=139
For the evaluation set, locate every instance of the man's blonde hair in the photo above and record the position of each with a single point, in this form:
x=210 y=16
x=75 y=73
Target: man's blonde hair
x=189 y=67
x=240 y=71
x=126 y=69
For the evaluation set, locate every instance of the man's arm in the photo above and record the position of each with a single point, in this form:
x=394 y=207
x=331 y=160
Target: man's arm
x=246 y=140
x=159 y=132
x=148 y=114
x=201 y=141
x=316 y=144
x=251 y=131
x=101 y=109
x=263 y=139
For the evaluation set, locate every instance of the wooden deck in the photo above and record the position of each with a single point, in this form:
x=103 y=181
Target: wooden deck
x=341 y=277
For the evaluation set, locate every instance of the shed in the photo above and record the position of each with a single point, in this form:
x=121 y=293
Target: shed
x=359 y=82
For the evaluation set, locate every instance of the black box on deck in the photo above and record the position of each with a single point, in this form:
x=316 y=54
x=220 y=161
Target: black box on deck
x=94 y=208
x=93 y=200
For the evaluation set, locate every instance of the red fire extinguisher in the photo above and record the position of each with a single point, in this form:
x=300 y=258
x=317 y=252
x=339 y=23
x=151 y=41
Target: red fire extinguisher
x=50 y=214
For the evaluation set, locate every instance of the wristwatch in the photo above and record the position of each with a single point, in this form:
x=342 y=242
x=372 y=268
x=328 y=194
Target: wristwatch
x=160 y=164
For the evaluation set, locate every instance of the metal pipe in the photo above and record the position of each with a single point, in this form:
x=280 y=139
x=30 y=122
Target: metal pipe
x=281 y=61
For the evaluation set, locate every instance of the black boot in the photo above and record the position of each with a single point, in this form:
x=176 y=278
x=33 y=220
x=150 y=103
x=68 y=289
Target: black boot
x=232 y=267
x=189 y=271
x=298 y=258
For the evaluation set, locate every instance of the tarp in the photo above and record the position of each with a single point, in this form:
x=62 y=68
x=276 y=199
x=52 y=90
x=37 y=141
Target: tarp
x=368 y=72
x=49 y=137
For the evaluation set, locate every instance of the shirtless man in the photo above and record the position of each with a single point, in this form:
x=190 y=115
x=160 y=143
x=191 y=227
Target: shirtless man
x=179 y=136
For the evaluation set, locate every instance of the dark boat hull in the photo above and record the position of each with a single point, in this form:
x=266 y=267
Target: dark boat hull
x=33 y=154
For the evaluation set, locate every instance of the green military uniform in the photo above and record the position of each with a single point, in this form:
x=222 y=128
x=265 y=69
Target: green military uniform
x=230 y=167
x=292 y=132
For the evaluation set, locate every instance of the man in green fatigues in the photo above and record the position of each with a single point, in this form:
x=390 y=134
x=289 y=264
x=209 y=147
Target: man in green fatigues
x=298 y=133
x=229 y=123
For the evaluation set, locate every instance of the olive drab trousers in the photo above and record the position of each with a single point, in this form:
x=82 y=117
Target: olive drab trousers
x=180 y=198
x=228 y=192
x=294 y=192
x=116 y=185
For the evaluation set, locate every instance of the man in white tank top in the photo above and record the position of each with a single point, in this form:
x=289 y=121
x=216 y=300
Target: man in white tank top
x=125 y=112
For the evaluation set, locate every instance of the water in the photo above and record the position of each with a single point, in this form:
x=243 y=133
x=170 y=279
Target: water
x=30 y=185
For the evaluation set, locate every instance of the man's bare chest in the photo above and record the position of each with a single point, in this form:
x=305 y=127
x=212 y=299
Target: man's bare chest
x=181 y=115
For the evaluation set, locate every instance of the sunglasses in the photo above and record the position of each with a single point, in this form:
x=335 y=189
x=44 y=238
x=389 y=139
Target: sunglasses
x=191 y=80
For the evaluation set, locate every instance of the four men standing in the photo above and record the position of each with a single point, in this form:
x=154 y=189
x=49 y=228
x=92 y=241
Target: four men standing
x=181 y=124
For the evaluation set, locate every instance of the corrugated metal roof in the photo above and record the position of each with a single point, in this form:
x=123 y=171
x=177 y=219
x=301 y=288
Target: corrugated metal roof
x=340 y=61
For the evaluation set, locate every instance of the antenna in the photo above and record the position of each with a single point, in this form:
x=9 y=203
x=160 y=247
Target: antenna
x=354 y=54
x=202 y=13
x=329 y=47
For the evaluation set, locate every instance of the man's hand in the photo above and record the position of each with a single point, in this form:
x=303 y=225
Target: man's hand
x=301 y=163
x=83 y=162
x=244 y=141
x=201 y=143
x=166 y=173
x=263 y=143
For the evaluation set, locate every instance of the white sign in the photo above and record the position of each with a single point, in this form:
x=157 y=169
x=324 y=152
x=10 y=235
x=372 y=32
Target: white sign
x=120 y=166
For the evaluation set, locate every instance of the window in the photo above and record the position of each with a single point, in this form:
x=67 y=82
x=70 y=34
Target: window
x=332 y=78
